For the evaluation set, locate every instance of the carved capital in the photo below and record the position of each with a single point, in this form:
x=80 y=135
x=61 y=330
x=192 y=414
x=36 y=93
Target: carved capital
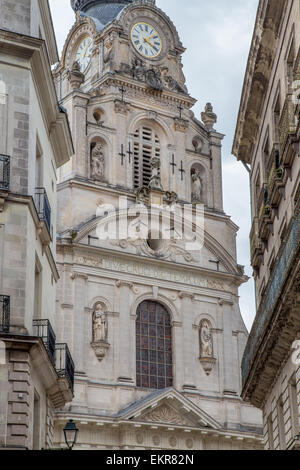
x=186 y=295
x=79 y=276
x=225 y=302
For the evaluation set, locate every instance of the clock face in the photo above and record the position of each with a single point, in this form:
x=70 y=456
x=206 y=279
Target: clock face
x=146 y=40
x=84 y=53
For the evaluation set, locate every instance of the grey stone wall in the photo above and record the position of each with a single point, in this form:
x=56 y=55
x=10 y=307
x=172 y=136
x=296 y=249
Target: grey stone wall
x=15 y=15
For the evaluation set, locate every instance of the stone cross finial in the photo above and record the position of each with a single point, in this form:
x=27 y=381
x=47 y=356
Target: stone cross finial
x=208 y=117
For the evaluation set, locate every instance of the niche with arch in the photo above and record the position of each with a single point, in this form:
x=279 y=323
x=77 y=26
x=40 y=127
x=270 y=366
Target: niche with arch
x=206 y=346
x=199 y=186
x=98 y=159
x=100 y=330
x=99 y=116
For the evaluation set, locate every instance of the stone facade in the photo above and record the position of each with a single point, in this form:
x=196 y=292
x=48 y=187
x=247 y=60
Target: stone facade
x=267 y=138
x=135 y=136
x=34 y=141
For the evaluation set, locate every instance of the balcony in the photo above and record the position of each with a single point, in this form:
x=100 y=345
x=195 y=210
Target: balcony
x=286 y=259
x=64 y=363
x=256 y=246
x=265 y=221
x=4 y=313
x=276 y=184
x=4 y=172
x=44 y=330
x=44 y=212
x=287 y=123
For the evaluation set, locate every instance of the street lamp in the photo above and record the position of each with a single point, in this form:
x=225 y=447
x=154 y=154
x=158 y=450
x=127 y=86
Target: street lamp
x=70 y=433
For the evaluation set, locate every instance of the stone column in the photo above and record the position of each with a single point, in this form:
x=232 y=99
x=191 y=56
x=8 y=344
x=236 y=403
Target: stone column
x=187 y=347
x=126 y=339
x=78 y=320
x=230 y=382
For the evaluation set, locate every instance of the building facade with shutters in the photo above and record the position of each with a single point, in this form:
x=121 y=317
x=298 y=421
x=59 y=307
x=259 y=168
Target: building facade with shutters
x=154 y=325
x=36 y=372
x=267 y=139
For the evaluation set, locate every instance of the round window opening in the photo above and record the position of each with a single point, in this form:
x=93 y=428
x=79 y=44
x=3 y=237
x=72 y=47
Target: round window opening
x=155 y=241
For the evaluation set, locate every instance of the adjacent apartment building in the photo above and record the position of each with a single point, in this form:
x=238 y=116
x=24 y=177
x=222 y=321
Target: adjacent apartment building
x=267 y=139
x=36 y=373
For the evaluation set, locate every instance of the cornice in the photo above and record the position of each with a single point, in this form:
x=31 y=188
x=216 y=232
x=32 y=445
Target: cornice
x=34 y=50
x=258 y=71
x=49 y=31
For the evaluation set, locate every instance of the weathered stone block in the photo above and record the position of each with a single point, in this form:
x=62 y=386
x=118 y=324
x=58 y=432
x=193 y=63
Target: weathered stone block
x=21 y=387
x=18 y=430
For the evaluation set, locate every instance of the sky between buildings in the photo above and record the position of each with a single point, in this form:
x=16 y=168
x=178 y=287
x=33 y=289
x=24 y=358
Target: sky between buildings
x=217 y=35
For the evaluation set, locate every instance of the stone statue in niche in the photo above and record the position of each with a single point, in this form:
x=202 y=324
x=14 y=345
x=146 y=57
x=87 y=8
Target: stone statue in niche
x=109 y=55
x=206 y=343
x=155 y=181
x=196 y=187
x=138 y=70
x=97 y=162
x=100 y=329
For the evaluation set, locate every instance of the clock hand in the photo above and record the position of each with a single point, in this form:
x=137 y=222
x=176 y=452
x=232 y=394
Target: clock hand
x=147 y=40
x=150 y=37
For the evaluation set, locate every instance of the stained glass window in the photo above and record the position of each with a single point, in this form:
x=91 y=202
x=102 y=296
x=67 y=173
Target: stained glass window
x=153 y=346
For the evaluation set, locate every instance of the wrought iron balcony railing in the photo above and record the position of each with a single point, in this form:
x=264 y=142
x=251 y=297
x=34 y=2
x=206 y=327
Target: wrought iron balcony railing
x=44 y=330
x=64 y=363
x=4 y=313
x=43 y=207
x=286 y=257
x=4 y=172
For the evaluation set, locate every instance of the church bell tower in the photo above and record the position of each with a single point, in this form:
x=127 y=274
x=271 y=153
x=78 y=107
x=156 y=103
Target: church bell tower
x=153 y=323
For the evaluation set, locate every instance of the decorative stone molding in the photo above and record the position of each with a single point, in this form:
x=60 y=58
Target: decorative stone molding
x=165 y=414
x=79 y=276
x=121 y=107
x=128 y=284
x=225 y=302
x=181 y=125
x=100 y=348
x=186 y=295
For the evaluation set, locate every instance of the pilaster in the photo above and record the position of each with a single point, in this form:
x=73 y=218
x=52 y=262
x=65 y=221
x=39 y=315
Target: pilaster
x=126 y=343
x=187 y=316
x=230 y=385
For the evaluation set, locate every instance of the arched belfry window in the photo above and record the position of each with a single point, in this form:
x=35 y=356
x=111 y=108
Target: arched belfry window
x=146 y=146
x=153 y=346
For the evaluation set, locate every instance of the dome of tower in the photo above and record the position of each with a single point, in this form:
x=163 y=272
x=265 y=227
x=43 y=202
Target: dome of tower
x=103 y=11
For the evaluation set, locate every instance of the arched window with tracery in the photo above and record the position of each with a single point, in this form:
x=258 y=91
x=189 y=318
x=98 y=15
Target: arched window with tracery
x=153 y=346
x=146 y=146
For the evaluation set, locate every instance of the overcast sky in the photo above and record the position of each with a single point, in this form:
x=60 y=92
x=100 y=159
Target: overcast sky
x=217 y=35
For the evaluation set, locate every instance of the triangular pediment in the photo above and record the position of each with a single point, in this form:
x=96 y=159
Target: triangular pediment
x=171 y=408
